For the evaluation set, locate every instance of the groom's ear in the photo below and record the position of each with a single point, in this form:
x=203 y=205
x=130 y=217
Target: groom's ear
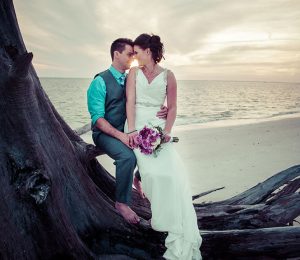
x=116 y=54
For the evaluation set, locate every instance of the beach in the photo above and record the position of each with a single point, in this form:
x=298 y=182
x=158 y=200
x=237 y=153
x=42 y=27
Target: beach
x=234 y=156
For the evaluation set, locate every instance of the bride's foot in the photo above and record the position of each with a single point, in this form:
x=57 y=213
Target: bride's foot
x=127 y=213
x=138 y=186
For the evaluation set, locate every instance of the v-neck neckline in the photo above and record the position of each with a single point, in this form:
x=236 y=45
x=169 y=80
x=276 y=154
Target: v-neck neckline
x=149 y=83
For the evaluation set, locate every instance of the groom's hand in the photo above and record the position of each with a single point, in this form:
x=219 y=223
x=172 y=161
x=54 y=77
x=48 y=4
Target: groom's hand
x=162 y=113
x=124 y=138
x=132 y=139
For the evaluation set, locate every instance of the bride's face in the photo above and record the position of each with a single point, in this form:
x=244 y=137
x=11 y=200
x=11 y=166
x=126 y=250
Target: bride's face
x=142 y=56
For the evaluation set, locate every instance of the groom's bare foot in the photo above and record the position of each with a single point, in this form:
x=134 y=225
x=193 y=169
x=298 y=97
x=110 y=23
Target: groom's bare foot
x=138 y=185
x=127 y=213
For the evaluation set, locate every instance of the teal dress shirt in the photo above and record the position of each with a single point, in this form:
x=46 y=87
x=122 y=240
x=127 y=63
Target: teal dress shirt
x=96 y=94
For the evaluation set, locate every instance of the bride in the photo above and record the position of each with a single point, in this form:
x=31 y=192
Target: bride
x=164 y=179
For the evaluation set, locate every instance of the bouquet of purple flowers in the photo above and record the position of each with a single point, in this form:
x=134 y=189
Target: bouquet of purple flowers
x=149 y=140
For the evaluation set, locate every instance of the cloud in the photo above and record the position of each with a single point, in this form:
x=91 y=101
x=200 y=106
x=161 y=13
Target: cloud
x=196 y=33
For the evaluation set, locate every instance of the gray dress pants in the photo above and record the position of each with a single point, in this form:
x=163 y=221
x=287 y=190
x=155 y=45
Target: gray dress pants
x=125 y=162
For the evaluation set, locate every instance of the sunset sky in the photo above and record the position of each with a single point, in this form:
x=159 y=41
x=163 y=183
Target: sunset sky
x=204 y=39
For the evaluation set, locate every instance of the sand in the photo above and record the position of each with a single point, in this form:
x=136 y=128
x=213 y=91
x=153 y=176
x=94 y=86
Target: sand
x=235 y=156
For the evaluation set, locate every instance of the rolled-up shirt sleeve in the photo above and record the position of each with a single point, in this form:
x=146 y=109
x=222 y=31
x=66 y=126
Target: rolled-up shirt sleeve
x=96 y=95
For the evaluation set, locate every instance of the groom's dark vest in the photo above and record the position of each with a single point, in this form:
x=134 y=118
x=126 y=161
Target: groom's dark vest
x=115 y=102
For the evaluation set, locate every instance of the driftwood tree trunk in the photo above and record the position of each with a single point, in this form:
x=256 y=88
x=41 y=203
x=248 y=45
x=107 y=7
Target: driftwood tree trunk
x=54 y=202
x=57 y=201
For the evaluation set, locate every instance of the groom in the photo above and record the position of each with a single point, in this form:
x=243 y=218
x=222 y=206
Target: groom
x=107 y=106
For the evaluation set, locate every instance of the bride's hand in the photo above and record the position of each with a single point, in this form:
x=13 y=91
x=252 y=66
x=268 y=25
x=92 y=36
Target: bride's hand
x=166 y=138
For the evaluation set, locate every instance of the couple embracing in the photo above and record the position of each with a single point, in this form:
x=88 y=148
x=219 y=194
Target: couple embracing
x=120 y=105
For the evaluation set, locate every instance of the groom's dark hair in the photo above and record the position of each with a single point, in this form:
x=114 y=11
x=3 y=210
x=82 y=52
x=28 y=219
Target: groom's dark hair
x=119 y=45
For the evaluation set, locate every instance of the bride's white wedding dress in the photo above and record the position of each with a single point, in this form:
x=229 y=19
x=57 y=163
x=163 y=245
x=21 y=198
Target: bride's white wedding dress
x=164 y=179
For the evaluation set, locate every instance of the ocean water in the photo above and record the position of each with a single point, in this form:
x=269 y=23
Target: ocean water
x=199 y=102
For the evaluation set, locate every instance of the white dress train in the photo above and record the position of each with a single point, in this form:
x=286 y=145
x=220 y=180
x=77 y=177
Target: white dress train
x=164 y=179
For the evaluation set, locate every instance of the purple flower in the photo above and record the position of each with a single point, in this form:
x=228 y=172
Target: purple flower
x=148 y=140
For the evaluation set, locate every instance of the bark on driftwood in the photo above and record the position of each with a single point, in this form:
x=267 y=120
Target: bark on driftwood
x=57 y=201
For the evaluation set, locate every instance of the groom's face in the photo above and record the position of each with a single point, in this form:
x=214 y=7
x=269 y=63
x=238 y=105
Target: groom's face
x=126 y=57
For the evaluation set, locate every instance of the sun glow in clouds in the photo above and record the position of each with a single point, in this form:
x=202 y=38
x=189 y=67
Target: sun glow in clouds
x=134 y=64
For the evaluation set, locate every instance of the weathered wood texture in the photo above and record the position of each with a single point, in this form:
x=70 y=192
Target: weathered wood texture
x=57 y=201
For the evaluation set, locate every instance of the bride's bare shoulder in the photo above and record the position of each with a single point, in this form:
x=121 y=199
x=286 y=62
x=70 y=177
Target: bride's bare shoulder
x=170 y=72
x=170 y=76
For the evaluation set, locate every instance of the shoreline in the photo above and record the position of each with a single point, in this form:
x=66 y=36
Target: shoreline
x=234 y=122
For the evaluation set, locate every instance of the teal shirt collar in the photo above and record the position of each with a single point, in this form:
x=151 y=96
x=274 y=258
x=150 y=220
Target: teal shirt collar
x=117 y=74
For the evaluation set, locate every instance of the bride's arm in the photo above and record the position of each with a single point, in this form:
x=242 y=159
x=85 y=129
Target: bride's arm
x=171 y=101
x=130 y=99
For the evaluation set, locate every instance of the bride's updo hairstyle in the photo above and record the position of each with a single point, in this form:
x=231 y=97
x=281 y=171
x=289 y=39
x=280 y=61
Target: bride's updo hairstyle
x=152 y=42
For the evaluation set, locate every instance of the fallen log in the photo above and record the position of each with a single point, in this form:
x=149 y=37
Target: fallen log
x=263 y=191
x=274 y=213
x=266 y=243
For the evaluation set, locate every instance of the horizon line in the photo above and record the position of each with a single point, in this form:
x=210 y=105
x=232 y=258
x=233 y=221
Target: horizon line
x=297 y=82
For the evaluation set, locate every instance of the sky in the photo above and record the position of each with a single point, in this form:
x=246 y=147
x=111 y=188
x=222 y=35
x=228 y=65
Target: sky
x=257 y=40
